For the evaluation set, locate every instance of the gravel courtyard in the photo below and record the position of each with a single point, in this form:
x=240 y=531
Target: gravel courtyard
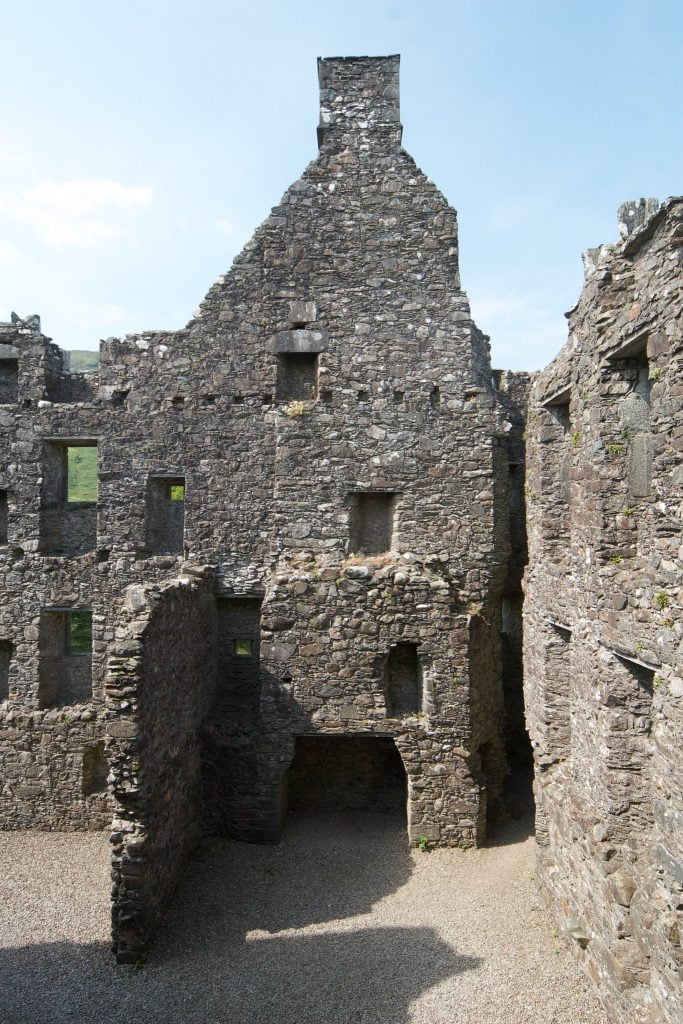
x=338 y=924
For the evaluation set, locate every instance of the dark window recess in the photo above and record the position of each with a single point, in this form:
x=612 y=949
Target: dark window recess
x=297 y=376
x=3 y=517
x=403 y=681
x=9 y=381
x=371 y=525
x=165 y=515
x=95 y=769
x=65 y=658
x=6 y=653
x=239 y=679
x=68 y=514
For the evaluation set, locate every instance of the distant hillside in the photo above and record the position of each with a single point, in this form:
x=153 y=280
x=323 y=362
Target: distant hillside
x=82 y=473
x=84 y=362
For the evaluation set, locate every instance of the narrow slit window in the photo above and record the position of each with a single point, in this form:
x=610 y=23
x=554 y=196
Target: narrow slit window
x=6 y=654
x=3 y=517
x=244 y=648
x=176 y=492
x=81 y=474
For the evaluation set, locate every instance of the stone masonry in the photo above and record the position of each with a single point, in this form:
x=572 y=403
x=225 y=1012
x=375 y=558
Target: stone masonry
x=298 y=578
x=603 y=625
x=301 y=536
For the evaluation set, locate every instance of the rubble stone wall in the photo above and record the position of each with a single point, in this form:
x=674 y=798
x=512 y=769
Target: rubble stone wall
x=159 y=685
x=603 y=625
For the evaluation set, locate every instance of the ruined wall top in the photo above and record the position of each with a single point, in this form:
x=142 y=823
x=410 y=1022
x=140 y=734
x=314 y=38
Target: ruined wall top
x=358 y=92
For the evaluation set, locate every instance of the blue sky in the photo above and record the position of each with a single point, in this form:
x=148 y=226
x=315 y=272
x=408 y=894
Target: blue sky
x=143 y=142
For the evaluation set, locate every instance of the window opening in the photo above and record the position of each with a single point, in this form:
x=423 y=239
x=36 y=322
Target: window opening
x=403 y=681
x=3 y=517
x=6 y=652
x=297 y=376
x=9 y=381
x=371 y=525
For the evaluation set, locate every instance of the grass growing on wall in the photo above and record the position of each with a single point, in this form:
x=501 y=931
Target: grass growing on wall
x=82 y=474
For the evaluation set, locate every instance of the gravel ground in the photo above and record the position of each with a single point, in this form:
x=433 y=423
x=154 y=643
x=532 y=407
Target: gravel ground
x=338 y=924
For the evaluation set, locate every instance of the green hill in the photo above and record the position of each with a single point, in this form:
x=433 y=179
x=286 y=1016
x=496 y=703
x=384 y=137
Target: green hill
x=82 y=473
x=84 y=362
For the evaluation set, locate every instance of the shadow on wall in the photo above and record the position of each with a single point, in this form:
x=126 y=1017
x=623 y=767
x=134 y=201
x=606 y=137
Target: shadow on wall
x=368 y=976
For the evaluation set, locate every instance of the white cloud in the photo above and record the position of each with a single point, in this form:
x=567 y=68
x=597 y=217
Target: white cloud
x=76 y=213
x=224 y=225
x=9 y=254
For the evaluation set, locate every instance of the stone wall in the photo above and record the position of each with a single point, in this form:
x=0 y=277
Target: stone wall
x=603 y=626
x=159 y=687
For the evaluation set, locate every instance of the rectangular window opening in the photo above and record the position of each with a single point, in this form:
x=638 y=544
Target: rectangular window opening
x=95 y=769
x=165 y=515
x=68 y=499
x=64 y=657
x=239 y=678
x=9 y=381
x=371 y=525
x=297 y=376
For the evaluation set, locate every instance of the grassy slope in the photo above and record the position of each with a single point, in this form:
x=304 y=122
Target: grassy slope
x=82 y=474
x=84 y=362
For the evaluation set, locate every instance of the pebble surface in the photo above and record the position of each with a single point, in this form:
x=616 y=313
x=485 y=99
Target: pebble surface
x=339 y=923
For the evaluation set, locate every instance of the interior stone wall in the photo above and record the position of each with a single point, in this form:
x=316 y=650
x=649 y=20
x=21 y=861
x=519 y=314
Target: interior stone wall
x=159 y=687
x=603 y=626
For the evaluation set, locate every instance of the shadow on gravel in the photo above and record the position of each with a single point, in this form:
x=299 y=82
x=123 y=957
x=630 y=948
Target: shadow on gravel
x=326 y=868
x=225 y=953
x=354 y=977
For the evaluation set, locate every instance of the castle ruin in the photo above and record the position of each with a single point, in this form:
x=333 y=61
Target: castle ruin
x=296 y=578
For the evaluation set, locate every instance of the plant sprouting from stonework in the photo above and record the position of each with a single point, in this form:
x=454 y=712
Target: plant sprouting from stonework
x=615 y=449
x=422 y=844
x=662 y=600
x=295 y=409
